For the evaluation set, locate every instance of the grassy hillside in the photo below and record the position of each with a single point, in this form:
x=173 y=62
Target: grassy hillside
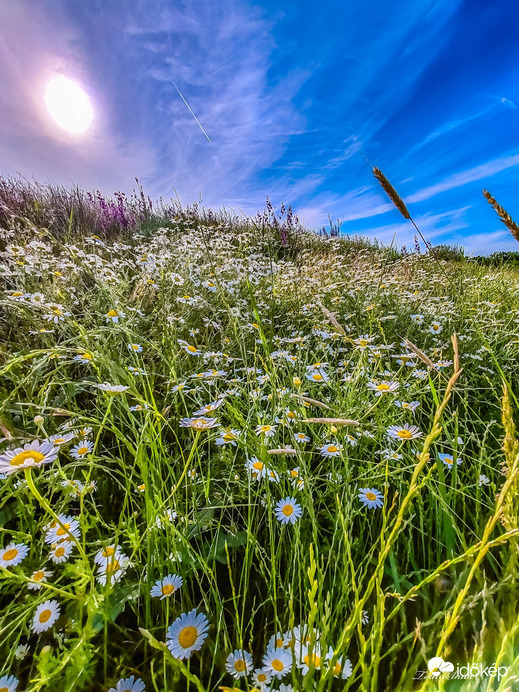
x=312 y=436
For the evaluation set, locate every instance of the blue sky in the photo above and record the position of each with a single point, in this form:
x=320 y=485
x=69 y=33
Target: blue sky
x=297 y=98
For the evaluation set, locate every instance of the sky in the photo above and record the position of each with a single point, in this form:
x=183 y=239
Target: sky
x=233 y=101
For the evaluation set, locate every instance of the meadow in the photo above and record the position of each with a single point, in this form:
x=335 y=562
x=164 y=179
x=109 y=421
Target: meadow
x=238 y=455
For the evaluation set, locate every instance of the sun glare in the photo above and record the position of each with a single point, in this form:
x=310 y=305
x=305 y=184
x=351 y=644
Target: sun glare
x=68 y=104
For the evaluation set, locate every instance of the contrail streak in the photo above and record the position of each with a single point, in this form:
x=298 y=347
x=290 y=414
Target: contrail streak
x=189 y=109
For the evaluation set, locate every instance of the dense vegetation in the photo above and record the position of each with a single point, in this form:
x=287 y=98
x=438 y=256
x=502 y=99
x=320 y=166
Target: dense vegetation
x=307 y=440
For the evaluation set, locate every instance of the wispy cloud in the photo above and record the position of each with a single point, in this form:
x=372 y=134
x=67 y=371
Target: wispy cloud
x=485 y=170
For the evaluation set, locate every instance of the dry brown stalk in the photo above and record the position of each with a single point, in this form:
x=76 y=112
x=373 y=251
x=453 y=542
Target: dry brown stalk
x=503 y=215
x=420 y=354
x=391 y=193
x=331 y=421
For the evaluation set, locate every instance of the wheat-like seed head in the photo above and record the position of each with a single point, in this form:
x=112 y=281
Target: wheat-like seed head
x=391 y=193
x=503 y=215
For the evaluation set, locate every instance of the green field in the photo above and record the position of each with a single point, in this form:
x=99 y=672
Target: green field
x=308 y=441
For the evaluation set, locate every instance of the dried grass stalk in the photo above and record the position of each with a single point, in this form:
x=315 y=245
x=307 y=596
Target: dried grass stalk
x=503 y=215
x=391 y=193
x=331 y=421
x=423 y=357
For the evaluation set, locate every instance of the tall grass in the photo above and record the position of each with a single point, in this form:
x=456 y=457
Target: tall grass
x=214 y=308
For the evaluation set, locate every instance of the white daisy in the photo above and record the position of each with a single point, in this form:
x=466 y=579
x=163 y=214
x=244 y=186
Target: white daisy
x=239 y=663
x=32 y=454
x=256 y=468
x=45 y=616
x=342 y=667
x=371 y=497
x=403 y=432
x=330 y=450
x=60 y=553
x=163 y=588
x=278 y=662
x=39 y=576
x=187 y=634
x=13 y=554
x=288 y=511
x=131 y=684
x=266 y=430
x=8 y=683
x=111 y=389
x=82 y=449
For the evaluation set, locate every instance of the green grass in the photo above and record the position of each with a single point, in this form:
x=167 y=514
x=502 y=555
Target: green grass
x=432 y=572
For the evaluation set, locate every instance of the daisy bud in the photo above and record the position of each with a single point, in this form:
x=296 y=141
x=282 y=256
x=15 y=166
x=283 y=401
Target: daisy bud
x=38 y=421
x=333 y=429
x=296 y=381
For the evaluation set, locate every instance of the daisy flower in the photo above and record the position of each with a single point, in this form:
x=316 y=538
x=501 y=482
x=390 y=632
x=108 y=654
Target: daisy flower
x=256 y=468
x=309 y=659
x=278 y=662
x=435 y=328
x=319 y=376
x=61 y=552
x=131 y=684
x=187 y=634
x=8 y=683
x=330 y=450
x=208 y=408
x=448 y=460
x=198 y=423
x=114 y=316
x=239 y=663
x=84 y=358
x=38 y=576
x=417 y=318
x=403 y=432
x=191 y=350
x=135 y=348
x=266 y=430
x=383 y=387
x=45 y=616
x=408 y=406
x=82 y=449
x=106 y=554
x=32 y=454
x=113 y=569
x=301 y=437
x=228 y=437
x=370 y=497
x=483 y=480
x=60 y=440
x=261 y=677
x=56 y=533
x=285 y=688
x=288 y=511
x=342 y=668
x=163 y=588
x=13 y=554
x=111 y=389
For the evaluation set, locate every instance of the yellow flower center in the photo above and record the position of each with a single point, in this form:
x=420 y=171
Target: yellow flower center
x=317 y=376
x=261 y=677
x=448 y=460
x=279 y=643
x=187 y=637
x=22 y=457
x=337 y=668
x=312 y=660
x=239 y=665
x=44 y=615
x=86 y=356
x=405 y=434
x=258 y=465
x=294 y=473
x=191 y=349
x=59 y=552
x=167 y=589
x=82 y=450
x=113 y=566
x=38 y=576
x=112 y=313
x=10 y=554
x=108 y=552
x=288 y=510
x=333 y=448
x=363 y=342
x=382 y=387
x=371 y=496
x=63 y=530
x=277 y=664
x=135 y=347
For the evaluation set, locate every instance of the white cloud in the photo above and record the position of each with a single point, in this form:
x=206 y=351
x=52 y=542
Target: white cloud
x=485 y=170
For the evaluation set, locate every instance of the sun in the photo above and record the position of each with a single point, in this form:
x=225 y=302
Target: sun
x=68 y=104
